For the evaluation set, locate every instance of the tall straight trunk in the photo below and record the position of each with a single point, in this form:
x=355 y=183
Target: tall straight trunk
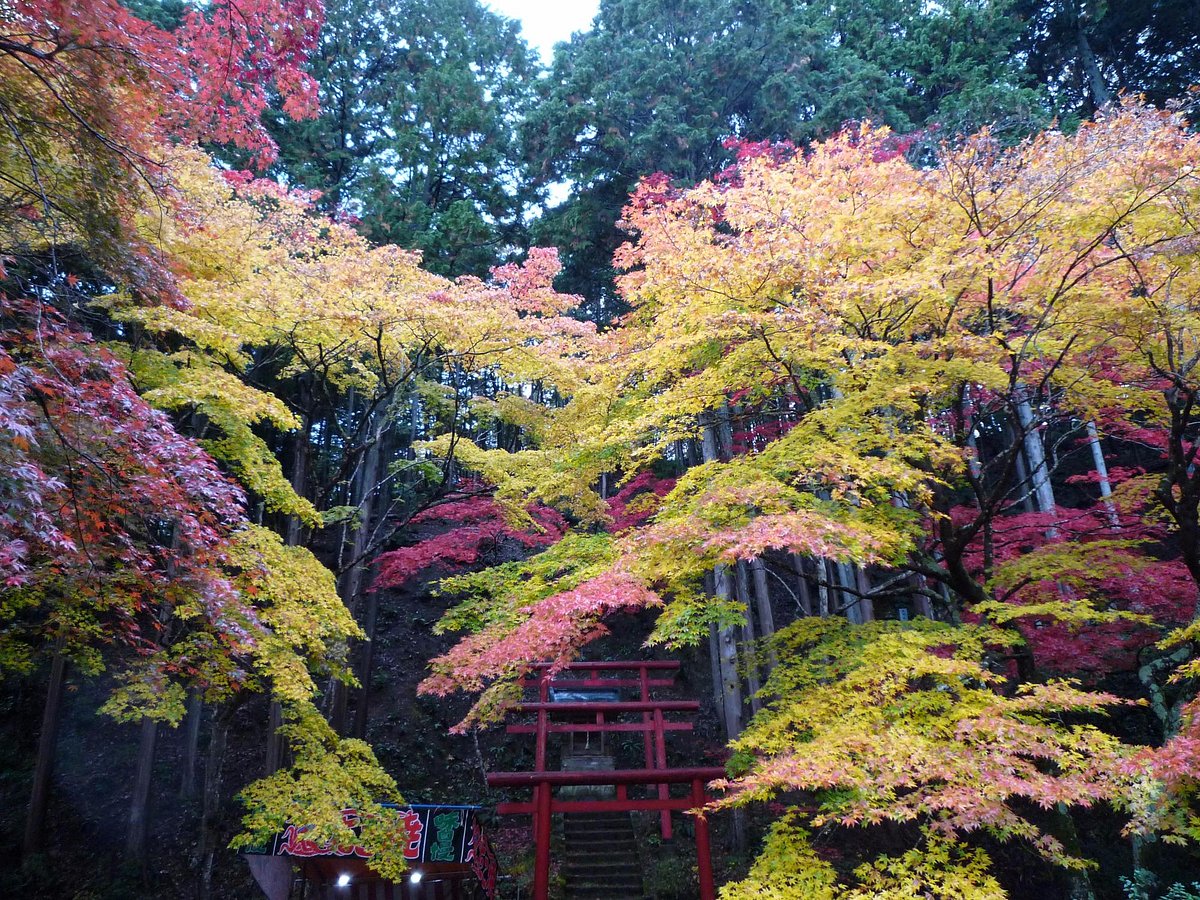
x=762 y=605
x=714 y=661
x=727 y=656
x=191 y=744
x=1079 y=881
x=749 y=637
x=714 y=657
x=351 y=582
x=292 y=537
x=415 y=418
x=299 y=474
x=725 y=638
x=1098 y=461
x=849 y=601
x=371 y=514
x=298 y=477
x=823 y=581
x=1035 y=452
x=43 y=768
x=1097 y=87
x=274 y=758
x=1023 y=489
x=1101 y=468
x=139 y=802
x=923 y=603
x=366 y=666
x=865 y=603
x=206 y=848
x=803 y=594
x=725 y=431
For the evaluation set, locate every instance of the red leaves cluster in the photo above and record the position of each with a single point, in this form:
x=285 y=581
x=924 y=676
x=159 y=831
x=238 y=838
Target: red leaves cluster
x=470 y=525
x=635 y=502
x=744 y=151
x=1133 y=580
x=208 y=81
x=552 y=630
x=98 y=96
x=103 y=502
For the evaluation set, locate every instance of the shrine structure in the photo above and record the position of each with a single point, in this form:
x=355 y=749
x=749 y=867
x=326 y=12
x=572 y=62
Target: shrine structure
x=579 y=699
x=445 y=846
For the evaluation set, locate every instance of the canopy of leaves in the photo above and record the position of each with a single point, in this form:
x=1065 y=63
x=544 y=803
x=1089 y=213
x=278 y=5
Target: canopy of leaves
x=658 y=86
x=416 y=138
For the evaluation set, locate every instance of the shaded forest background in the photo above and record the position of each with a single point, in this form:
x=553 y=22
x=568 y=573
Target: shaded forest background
x=440 y=131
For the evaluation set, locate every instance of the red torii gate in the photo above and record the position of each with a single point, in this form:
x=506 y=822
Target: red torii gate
x=653 y=726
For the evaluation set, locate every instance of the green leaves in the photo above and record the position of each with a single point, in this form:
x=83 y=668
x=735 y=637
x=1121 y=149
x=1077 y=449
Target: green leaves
x=790 y=868
x=905 y=722
x=329 y=774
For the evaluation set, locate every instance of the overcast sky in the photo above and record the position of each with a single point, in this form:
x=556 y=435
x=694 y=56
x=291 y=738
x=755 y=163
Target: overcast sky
x=546 y=22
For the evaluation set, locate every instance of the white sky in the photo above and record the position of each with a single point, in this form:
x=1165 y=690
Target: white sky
x=546 y=22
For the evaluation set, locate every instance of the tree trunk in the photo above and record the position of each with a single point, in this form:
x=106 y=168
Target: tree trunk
x=1080 y=882
x=714 y=660
x=1102 y=472
x=725 y=431
x=749 y=638
x=299 y=479
x=206 y=848
x=299 y=474
x=1035 y=452
x=362 y=710
x=848 y=601
x=351 y=581
x=1097 y=87
x=727 y=655
x=43 y=770
x=726 y=638
x=191 y=745
x=1024 y=487
x=823 y=572
x=803 y=594
x=865 y=604
x=762 y=605
x=139 y=803
x=274 y=758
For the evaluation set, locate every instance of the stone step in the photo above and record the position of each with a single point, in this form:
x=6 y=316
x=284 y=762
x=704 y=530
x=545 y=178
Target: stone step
x=612 y=826
x=604 y=864
x=618 y=853
x=621 y=845
x=583 y=838
x=582 y=830
x=602 y=875
x=587 y=817
x=601 y=862
x=603 y=851
x=612 y=886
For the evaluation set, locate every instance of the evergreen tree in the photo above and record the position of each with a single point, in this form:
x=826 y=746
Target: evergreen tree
x=657 y=85
x=1087 y=51
x=416 y=135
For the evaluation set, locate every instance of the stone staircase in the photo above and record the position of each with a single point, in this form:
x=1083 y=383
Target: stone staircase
x=601 y=860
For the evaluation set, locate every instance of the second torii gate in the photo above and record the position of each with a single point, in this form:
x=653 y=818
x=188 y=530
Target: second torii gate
x=653 y=726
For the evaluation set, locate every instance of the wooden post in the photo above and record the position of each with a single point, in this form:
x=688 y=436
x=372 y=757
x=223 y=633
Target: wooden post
x=655 y=747
x=644 y=696
x=660 y=762
x=703 y=846
x=541 y=837
x=541 y=816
